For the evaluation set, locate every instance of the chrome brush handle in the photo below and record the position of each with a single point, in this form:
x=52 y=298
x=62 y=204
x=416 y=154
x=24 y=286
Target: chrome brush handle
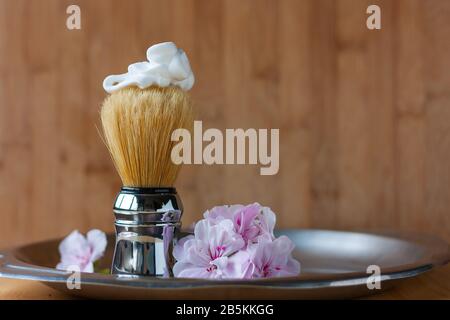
x=147 y=222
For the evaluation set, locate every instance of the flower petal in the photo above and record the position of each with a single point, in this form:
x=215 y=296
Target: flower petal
x=97 y=241
x=268 y=220
x=75 y=244
x=244 y=221
x=179 y=249
x=219 y=213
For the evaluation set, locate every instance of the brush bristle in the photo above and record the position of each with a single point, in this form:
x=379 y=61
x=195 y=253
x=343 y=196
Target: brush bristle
x=137 y=127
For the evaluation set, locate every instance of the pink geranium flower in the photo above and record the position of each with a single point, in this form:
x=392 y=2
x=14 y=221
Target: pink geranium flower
x=81 y=252
x=208 y=253
x=251 y=221
x=268 y=259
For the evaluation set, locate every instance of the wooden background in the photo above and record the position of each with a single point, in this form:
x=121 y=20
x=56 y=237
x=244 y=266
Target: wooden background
x=364 y=116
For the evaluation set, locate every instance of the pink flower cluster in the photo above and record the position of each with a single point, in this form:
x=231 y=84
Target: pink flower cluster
x=235 y=242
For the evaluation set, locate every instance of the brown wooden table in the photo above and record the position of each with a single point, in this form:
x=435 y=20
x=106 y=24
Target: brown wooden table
x=431 y=285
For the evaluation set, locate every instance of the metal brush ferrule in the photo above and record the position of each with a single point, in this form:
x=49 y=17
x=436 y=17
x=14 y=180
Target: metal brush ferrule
x=147 y=222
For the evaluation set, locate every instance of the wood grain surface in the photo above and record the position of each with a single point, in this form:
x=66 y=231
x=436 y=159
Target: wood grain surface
x=364 y=116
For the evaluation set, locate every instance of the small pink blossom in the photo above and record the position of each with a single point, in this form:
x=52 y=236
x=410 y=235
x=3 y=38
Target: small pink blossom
x=79 y=251
x=251 y=221
x=207 y=254
x=268 y=259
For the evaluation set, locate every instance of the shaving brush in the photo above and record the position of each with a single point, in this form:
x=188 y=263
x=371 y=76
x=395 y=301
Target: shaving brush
x=137 y=127
x=145 y=106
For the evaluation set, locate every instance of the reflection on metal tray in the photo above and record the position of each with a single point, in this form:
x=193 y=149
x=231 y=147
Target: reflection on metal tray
x=334 y=265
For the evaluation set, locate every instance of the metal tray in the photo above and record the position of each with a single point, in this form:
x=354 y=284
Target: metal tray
x=334 y=265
